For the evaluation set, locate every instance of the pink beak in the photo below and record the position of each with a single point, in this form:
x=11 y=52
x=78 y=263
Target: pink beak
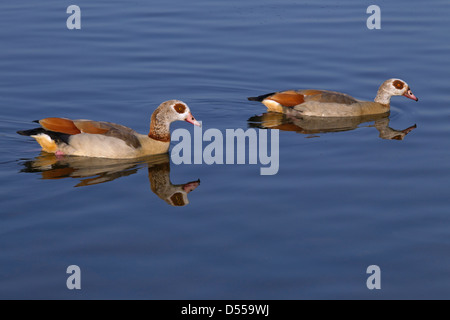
x=410 y=95
x=188 y=187
x=190 y=118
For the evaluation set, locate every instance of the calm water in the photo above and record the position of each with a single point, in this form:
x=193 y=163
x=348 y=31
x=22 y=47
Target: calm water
x=340 y=202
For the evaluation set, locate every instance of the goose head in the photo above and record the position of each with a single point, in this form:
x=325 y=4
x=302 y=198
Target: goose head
x=168 y=112
x=175 y=110
x=393 y=87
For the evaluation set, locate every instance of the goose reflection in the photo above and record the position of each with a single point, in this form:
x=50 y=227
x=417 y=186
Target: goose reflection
x=315 y=125
x=91 y=171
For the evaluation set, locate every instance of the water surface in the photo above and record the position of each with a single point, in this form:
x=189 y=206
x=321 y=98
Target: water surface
x=342 y=200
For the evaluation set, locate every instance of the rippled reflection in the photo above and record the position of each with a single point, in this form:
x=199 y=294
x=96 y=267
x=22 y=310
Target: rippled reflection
x=92 y=171
x=315 y=125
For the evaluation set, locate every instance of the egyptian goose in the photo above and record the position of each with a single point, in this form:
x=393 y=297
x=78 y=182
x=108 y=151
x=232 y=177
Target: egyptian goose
x=100 y=139
x=323 y=103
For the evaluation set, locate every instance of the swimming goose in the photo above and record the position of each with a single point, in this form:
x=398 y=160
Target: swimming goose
x=323 y=103
x=101 y=139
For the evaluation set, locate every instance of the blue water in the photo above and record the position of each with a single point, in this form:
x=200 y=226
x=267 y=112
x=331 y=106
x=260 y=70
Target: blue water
x=342 y=200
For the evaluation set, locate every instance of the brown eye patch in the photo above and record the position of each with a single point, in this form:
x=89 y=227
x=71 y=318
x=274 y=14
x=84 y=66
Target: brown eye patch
x=398 y=84
x=180 y=108
x=177 y=199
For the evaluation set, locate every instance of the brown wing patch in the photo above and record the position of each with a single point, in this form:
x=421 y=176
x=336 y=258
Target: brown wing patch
x=109 y=129
x=92 y=127
x=62 y=125
x=180 y=108
x=288 y=98
x=311 y=92
x=125 y=134
x=398 y=84
x=325 y=96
